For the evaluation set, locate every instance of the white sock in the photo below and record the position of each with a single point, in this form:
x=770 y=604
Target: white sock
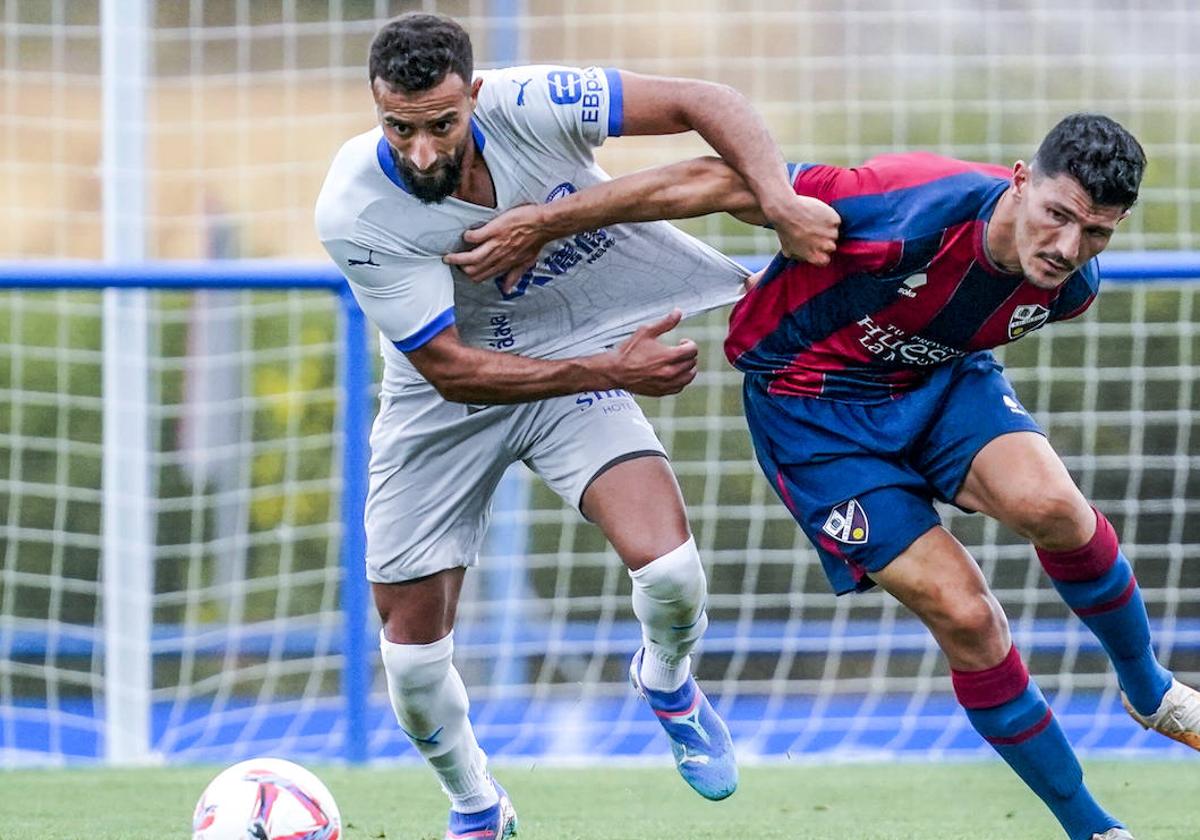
x=669 y=596
x=431 y=705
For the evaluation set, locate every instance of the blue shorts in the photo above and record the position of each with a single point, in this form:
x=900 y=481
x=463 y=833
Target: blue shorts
x=861 y=478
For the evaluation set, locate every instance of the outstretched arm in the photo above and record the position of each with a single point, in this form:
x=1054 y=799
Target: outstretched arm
x=511 y=242
x=735 y=130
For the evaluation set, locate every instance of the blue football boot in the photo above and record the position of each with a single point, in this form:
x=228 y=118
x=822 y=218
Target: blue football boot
x=496 y=823
x=699 y=738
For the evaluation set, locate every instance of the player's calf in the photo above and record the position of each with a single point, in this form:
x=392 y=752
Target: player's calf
x=431 y=706
x=1006 y=707
x=1098 y=584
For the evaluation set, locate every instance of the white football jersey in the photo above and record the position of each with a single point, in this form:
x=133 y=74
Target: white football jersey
x=536 y=127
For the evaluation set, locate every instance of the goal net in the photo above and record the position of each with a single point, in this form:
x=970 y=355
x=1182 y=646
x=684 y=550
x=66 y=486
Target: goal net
x=246 y=104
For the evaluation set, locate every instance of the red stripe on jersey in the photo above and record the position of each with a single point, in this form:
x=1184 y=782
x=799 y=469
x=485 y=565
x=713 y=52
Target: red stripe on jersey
x=884 y=173
x=948 y=268
x=761 y=311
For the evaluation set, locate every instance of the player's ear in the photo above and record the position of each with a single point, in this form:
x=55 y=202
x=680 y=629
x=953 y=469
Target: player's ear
x=1021 y=175
x=475 y=86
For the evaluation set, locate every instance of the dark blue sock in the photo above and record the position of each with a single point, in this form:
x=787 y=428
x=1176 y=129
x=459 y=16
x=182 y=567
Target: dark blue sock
x=1097 y=582
x=1006 y=707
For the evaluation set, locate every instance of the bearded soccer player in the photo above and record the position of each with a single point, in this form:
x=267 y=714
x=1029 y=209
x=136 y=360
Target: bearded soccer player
x=871 y=392
x=479 y=377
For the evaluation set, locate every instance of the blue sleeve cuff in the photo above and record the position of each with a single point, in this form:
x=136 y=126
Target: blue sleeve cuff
x=426 y=334
x=616 y=102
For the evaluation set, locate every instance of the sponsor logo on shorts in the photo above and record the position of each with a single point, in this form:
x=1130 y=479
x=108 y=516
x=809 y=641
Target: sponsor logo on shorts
x=847 y=523
x=610 y=402
x=1014 y=406
x=1026 y=318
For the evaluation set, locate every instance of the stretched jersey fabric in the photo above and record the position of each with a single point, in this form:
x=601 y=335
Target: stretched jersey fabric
x=535 y=126
x=910 y=287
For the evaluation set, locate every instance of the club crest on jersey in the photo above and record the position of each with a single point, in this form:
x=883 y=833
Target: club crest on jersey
x=847 y=523
x=1027 y=317
x=909 y=287
x=561 y=191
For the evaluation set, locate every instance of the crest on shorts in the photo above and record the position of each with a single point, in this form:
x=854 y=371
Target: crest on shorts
x=1027 y=317
x=847 y=523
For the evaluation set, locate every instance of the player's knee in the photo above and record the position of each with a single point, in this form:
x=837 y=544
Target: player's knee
x=975 y=629
x=1054 y=516
x=670 y=592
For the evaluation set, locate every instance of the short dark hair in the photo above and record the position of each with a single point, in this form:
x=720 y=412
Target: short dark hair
x=1099 y=153
x=416 y=51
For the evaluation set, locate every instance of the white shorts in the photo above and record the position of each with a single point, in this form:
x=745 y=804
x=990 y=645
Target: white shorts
x=435 y=466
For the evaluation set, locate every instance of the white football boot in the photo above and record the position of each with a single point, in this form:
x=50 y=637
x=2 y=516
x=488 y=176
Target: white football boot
x=1178 y=716
x=1115 y=833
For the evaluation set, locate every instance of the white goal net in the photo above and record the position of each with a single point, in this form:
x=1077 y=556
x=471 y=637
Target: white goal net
x=246 y=102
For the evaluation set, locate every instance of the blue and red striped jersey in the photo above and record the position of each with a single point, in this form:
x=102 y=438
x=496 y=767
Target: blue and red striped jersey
x=911 y=285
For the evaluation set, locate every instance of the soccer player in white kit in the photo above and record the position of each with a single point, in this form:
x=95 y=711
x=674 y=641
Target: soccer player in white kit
x=479 y=376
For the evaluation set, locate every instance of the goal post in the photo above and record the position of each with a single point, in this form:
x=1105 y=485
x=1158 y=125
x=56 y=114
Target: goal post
x=338 y=630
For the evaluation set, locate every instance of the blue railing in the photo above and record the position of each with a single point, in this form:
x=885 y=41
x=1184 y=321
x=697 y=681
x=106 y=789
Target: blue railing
x=30 y=639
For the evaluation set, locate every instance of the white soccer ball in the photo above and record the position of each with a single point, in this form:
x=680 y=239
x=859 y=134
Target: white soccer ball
x=266 y=799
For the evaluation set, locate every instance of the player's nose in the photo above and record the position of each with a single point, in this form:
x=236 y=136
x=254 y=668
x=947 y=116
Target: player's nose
x=422 y=154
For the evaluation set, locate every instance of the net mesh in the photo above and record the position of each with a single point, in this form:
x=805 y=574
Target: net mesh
x=247 y=103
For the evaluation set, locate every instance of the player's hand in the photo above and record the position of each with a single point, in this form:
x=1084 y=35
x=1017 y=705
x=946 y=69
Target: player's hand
x=807 y=229
x=754 y=279
x=507 y=245
x=644 y=365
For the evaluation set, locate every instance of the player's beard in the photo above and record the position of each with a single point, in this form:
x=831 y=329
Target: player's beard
x=437 y=183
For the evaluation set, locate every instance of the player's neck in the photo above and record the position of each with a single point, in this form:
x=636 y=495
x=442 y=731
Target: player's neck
x=1000 y=238
x=476 y=185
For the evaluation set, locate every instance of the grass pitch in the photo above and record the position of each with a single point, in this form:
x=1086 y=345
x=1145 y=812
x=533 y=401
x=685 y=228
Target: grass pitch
x=1158 y=800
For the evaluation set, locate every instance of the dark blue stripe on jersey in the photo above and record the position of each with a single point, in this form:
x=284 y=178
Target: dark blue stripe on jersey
x=1078 y=290
x=387 y=163
x=775 y=268
x=823 y=315
x=918 y=210
x=848 y=300
x=616 y=102
x=977 y=297
x=477 y=133
x=426 y=334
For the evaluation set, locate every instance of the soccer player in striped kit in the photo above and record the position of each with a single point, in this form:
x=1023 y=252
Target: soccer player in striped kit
x=871 y=392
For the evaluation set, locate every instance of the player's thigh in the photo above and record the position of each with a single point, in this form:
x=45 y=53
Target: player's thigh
x=598 y=452
x=837 y=468
x=977 y=407
x=638 y=506
x=938 y=580
x=1019 y=479
x=434 y=468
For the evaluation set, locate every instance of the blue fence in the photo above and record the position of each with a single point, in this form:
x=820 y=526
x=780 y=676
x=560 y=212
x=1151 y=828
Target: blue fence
x=352 y=711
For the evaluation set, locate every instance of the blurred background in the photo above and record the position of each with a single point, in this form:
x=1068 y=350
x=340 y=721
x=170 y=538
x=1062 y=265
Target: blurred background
x=178 y=469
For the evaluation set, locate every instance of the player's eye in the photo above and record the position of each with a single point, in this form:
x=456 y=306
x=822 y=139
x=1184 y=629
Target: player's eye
x=1057 y=215
x=443 y=126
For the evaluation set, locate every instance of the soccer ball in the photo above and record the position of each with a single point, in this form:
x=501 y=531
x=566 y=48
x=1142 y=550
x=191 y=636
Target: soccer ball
x=266 y=799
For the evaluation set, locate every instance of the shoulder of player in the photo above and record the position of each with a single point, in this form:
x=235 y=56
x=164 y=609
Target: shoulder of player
x=340 y=192
x=905 y=170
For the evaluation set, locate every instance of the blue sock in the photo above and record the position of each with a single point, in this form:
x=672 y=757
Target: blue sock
x=1097 y=582
x=1006 y=707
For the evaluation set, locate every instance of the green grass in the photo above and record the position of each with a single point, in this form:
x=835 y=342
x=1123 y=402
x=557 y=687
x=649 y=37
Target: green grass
x=840 y=802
